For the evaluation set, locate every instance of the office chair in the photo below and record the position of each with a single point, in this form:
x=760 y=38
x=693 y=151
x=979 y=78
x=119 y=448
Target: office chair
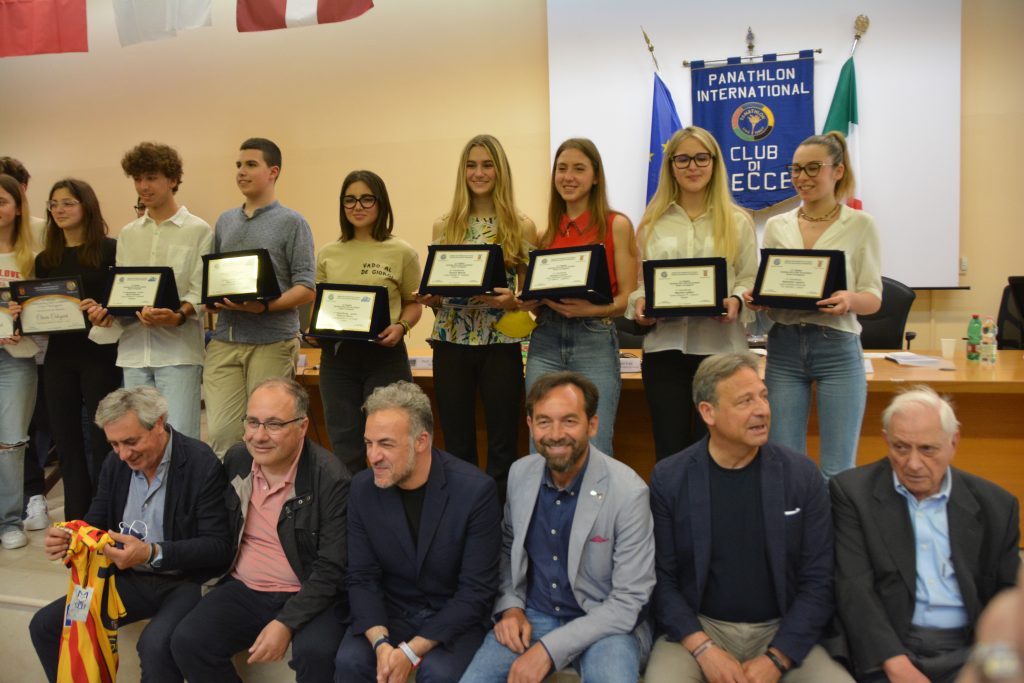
x=1010 y=334
x=884 y=329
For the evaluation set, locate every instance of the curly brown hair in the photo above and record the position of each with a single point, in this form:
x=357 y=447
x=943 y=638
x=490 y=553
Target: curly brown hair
x=152 y=157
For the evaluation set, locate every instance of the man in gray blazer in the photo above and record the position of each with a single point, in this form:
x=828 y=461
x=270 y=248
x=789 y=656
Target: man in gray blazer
x=577 y=565
x=921 y=548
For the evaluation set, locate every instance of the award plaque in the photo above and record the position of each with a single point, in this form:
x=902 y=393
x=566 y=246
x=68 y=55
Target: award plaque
x=798 y=278
x=6 y=319
x=50 y=305
x=684 y=287
x=569 y=272
x=358 y=312
x=239 y=276
x=131 y=288
x=463 y=269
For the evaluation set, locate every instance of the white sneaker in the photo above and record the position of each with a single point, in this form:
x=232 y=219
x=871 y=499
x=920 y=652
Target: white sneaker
x=37 y=514
x=13 y=538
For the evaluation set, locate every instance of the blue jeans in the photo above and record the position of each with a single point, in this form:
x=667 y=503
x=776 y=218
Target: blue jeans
x=18 y=383
x=615 y=659
x=180 y=386
x=831 y=360
x=586 y=345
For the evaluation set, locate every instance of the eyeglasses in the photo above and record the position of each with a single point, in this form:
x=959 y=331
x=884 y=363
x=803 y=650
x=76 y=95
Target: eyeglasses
x=810 y=169
x=682 y=161
x=272 y=426
x=367 y=201
x=64 y=204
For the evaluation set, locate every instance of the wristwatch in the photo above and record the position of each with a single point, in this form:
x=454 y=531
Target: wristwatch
x=995 y=661
x=158 y=557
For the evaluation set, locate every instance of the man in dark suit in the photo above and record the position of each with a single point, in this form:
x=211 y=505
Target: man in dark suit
x=423 y=538
x=921 y=547
x=743 y=546
x=168 y=490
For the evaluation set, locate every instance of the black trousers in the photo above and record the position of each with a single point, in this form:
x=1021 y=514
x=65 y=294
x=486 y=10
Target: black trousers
x=668 y=385
x=349 y=372
x=78 y=372
x=164 y=600
x=229 y=619
x=496 y=372
x=938 y=653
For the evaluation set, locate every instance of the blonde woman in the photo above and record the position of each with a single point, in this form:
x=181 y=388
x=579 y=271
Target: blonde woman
x=691 y=215
x=471 y=354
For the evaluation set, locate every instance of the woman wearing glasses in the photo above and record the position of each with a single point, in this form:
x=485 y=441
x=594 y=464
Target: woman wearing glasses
x=574 y=334
x=822 y=348
x=77 y=371
x=365 y=254
x=691 y=215
x=471 y=351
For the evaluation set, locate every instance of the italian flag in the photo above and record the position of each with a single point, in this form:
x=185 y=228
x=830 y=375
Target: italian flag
x=842 y=116
x=265 y=15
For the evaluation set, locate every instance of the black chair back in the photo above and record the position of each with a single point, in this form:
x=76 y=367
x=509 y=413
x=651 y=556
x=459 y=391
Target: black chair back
x=884 y=329
x=1010 y=321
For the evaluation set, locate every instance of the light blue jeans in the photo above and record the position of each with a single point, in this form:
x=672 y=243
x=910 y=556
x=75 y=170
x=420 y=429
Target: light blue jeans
x=833 y=361
x=613 y=659
x=586 y=345
x=180 y=385
x=18 y=385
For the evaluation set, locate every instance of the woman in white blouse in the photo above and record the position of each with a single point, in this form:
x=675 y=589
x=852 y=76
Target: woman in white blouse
x=691 y=215
x=822 y=348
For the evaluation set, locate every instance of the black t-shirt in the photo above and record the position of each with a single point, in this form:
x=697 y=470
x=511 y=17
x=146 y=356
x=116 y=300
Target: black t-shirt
x=740 y=587
x=412 y=501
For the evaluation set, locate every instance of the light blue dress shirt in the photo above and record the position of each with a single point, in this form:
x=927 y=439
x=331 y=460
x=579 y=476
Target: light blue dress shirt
x=937 y=601
x=145 y=505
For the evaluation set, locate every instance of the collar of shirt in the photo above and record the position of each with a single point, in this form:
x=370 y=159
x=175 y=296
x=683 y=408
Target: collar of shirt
x=573 y=488
x=581 y=224
x=263 y=209
x=942 y=497
x=674 y=206
x=177 y=219
x=289 y=477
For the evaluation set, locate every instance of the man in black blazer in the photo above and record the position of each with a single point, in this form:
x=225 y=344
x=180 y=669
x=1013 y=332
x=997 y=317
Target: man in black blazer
x=424 y=535
x=921 y=547
x=167 y=489
x=743 y=546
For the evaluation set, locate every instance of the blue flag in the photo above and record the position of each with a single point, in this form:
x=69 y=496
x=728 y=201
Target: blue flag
x=664 y=122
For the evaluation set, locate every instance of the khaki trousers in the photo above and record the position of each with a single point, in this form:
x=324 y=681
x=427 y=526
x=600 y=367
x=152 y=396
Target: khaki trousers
x=670 y=662
x=231 y=372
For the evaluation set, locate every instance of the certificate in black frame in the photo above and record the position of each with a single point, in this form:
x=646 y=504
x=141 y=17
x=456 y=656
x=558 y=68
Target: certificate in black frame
x=651 y=271
x=493 y=275
x=598 y=288
x=24 y=291
x=835 y=278
x=167 y=289
x=381 y=316
x=267 y=287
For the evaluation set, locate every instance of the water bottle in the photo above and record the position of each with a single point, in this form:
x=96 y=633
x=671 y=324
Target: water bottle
x=973 y=339
x=987 y=348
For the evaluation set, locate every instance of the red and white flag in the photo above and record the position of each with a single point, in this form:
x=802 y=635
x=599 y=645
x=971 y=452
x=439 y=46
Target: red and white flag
x=35 y=27
x=265 y=15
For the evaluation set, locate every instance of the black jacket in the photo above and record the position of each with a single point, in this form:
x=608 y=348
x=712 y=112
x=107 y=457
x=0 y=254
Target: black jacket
x=312 y=527
x=196 y=538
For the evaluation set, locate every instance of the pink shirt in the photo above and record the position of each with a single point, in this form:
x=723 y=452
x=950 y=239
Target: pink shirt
x=262 y=564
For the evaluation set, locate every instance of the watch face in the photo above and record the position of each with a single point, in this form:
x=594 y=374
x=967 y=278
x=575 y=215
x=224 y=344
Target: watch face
x=996 y=661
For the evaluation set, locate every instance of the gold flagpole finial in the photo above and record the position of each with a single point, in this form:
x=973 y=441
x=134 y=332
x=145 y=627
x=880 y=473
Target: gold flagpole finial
x=750 y=42
x=650 y=48
x=860 y=27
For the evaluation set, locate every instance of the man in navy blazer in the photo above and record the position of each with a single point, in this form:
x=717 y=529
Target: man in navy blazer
x=423 y=545
x=743 y=541
x=168 y=490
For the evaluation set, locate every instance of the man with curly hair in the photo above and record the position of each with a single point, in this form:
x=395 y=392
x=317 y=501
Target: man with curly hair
x=163 y=347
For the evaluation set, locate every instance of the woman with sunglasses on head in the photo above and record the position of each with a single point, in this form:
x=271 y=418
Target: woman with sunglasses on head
x=574 y=334
x=77 y=371
x=18 y=378
x=691 y=215
x=365 y=254
x=822 y=348
x=471 y=352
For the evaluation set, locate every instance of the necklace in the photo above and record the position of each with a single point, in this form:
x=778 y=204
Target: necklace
x=819 y=219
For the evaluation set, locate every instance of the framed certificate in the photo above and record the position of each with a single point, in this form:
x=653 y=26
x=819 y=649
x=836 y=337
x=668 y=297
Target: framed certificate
x=684 y=287
x=130 y=288
x=50 y=305
x=797 y=278
x=570 y=272
x=463 y=269
x=358 y=312
x=6 y=319
x=239 y=276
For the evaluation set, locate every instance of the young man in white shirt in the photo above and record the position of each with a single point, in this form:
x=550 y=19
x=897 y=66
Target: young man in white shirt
x=163 y=347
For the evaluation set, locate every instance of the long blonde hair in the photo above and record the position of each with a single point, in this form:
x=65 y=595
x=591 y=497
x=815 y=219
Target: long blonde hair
x=597 y=199
x=456 y=221
x=23 y=241
x=717 y=199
